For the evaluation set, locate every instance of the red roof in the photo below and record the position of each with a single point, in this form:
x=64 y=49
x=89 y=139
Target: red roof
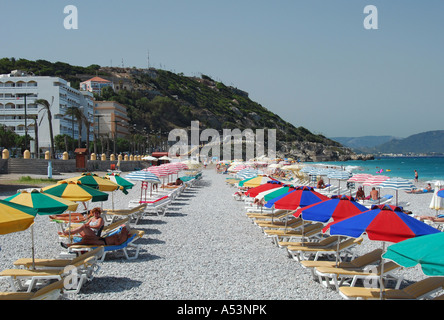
x=98 y=79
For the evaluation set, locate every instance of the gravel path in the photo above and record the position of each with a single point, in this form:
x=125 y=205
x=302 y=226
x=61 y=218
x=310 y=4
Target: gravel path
x=205 y=248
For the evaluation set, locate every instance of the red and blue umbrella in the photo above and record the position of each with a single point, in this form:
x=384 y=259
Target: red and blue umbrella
x=381 y=223
x=336 y=208
x=299 y=197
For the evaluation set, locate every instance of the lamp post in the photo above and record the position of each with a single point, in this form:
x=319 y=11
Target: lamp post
x=98 y=116
x=26 y=116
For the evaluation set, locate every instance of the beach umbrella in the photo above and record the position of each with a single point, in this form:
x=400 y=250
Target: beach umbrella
x=256 y=181
x=437 y=202
x=381 y=223
x=397 y=184
x=94 y=181
x=145 y=177
x=340 y=176
x=270 y=185
x=75 y=191
x=298 y=197
x=44 y=203
x=335 y=208
x=426 y=251
x=360 y=177
x=150 y=158
x=15 y=217
x=117 y=179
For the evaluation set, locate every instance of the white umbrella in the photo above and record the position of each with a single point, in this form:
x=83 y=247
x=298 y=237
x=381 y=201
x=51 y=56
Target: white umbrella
x=437 y=202
x=150 y=158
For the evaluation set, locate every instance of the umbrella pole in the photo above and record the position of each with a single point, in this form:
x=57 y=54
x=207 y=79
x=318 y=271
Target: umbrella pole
x=381 y=283
x=337 y=251
x=33 y=249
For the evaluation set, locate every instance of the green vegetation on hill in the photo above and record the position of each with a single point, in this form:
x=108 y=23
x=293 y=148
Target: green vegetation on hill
x=162 y=100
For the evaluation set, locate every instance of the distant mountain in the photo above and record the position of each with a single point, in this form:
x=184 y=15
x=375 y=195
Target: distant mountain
x=363 y=144
x=425 y=142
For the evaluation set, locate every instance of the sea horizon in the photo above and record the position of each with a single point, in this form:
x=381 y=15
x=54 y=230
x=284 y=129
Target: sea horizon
x=429 y=168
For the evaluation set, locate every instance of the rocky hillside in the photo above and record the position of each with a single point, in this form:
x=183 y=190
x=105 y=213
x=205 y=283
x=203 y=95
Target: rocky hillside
x=161 y=100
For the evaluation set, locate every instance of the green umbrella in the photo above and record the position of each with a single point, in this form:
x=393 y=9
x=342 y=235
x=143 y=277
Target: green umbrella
x=45 y=204
x=75 y=191
x=425 y=250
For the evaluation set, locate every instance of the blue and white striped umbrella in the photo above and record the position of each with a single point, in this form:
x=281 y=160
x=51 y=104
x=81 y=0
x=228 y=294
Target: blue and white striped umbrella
x=246 y=173
x=142 y=175
x=397 y=184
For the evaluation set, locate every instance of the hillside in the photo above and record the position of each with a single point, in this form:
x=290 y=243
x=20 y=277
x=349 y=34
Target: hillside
x=425 y=142
x=364 y=144
x=161 y=100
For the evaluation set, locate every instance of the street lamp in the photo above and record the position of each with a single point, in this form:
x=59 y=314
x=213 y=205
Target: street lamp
x=26 y=116
x=98 y=116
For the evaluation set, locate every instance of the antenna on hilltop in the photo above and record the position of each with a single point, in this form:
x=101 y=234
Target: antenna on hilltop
x=148 y=58
x=123 y=66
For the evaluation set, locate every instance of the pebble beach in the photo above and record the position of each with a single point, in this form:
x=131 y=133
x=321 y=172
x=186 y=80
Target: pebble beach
x=204 y=248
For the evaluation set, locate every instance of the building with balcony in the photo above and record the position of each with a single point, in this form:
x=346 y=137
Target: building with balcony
x=111 y=119
x=95 y=85
x=20 y=113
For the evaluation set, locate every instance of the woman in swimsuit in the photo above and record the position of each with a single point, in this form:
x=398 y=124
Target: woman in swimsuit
x=90 y=228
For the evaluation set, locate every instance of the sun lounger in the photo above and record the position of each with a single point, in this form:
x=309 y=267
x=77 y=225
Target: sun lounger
x=423 y=289
x=326 y=275
x=335 y=249
x=304 y=231
x=132 y=213
x=287 y=224
x=383 y=200
x=52 y=291
x=317 y=242
x=128 y=244
x=22 y=279
x=157 y=206
x=27 y=263
x=358 y=262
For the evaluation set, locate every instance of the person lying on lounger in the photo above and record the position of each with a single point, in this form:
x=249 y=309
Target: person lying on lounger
x=422 y=190
x=114 y=239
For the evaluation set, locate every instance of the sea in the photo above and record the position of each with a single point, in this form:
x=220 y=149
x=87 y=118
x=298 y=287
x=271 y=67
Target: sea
x=428 y=168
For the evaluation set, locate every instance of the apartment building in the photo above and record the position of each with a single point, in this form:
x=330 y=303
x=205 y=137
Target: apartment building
x=111 y=119
x=20 y=113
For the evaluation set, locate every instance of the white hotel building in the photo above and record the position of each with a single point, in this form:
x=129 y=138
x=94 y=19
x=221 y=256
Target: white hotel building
x=56 y=91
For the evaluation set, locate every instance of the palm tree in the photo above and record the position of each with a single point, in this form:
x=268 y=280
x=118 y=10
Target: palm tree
x=88 y=128
x=75 y=112
x=47 y=107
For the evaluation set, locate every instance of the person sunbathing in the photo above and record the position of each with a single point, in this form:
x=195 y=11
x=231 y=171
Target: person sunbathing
x=422 y=190
x=92 y=227
x=113 y=239
x=374 y=194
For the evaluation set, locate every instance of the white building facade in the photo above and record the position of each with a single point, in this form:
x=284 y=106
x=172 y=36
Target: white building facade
x=18 y=93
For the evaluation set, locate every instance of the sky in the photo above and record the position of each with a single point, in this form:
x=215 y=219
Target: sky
x=312 y=62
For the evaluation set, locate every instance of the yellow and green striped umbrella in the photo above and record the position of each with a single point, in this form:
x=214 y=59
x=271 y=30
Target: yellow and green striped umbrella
x=15 y=217
x=94 y=181
x=44 y=203
x=75 y=191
